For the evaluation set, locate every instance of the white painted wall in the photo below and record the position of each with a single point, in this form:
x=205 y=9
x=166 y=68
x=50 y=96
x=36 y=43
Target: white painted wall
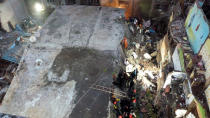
x=12 y=10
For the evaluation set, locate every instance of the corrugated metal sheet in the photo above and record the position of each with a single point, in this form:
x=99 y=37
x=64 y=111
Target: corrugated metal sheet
x=197 y=28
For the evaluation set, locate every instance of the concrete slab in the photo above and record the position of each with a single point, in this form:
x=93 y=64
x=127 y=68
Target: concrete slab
x=85 y=26
x=77 y=48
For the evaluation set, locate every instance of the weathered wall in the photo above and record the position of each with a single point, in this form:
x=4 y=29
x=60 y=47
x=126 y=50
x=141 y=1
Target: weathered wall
x=12 y=10
x=205 y=52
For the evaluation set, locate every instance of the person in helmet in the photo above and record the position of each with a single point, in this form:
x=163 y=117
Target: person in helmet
x=117 y=107
x=133 y=103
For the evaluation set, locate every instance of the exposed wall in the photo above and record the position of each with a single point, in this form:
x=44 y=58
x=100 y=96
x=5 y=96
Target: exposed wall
x=12 y=10
x=205 y=52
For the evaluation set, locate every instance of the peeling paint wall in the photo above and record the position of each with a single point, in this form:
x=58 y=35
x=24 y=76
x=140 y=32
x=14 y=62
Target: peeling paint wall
x=13 y=11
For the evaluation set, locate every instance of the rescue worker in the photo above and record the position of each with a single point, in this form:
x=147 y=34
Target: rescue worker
x=119 y=79
x=126 y=82
x=113 y=98
x=132 y=88
x=130 y=115
x=117 y=107
x=124 y=43
x=134 y=74
x=125 y=115
x=133 y=103
x=133 y=94
x=118 y=103
x=122 y=80
x=140 y=29
x=114 y=77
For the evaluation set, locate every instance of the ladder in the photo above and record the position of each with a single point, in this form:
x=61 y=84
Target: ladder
x=109 y=90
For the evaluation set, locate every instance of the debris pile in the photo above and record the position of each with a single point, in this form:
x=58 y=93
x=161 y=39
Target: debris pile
x=16 y=40
x=7 y=71
x=139 y=73
x=13 y=44
x=164 y=77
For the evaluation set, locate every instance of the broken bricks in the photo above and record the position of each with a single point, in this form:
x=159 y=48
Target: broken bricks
x=165 y=75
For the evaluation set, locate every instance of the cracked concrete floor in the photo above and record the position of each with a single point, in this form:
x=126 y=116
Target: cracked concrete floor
x=78 y=47
x=87 y=67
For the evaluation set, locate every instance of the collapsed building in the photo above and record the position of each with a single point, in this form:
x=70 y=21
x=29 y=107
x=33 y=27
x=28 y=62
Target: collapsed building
x=100 y=58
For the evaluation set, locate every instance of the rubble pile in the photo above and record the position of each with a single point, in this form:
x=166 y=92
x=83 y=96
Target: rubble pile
x=163 y=76
x=7 y=71
x=13 y=44
x=139 y=74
